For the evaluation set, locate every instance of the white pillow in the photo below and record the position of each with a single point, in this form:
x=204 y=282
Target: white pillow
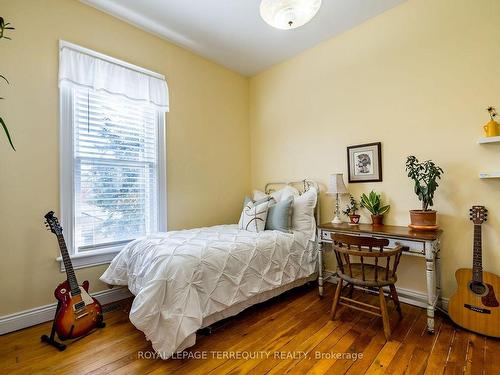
x=253 y=218
x=303 y=213
x=278 y=195
x=259 y=195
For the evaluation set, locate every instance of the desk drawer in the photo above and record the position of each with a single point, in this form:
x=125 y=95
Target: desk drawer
x=413 y=247
x=327 y=235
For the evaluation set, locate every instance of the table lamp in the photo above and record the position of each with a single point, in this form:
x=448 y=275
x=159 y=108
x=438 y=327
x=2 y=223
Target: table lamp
x=336 y=187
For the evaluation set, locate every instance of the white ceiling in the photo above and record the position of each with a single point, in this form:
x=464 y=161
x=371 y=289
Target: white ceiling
x=231 y=32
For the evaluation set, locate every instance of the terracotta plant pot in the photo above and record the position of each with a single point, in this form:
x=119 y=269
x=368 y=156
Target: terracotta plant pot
x=423 y=220
x=354 y=219
x=377 y=219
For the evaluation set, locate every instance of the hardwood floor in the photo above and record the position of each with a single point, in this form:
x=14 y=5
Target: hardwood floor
x=275 y=335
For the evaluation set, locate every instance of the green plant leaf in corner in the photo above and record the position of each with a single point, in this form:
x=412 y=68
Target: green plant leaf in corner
x=7 y=133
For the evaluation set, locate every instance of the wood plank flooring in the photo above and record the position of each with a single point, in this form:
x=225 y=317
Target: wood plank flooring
x=291 y=334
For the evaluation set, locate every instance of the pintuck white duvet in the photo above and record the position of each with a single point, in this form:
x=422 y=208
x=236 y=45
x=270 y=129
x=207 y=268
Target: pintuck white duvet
x=181 y=277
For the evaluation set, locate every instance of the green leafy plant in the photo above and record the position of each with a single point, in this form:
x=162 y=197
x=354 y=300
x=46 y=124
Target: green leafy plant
x=424 y=175
x=352 y=207
x=373 y=203
x=3 y=27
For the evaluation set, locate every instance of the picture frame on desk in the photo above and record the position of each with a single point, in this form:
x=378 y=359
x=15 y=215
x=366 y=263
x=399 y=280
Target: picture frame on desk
x=364 y=162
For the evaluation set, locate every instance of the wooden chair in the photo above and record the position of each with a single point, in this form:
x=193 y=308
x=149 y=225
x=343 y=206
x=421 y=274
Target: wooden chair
x=352 y=253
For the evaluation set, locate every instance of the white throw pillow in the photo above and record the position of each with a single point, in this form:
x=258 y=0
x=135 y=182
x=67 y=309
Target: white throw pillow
x=278 y=195
x=253 y=218
x=259 y=195
x=303 y=213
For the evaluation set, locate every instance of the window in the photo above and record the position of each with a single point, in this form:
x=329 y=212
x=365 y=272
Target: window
x=112 y=170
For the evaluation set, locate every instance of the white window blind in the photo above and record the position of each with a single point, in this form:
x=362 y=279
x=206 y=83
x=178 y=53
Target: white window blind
x=115 y=175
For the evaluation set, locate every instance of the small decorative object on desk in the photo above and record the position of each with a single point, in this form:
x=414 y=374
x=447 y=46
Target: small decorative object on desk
x=424 y=175
x=336 y=187
x=364 y=162
x=491 y=128
x=351 y=210
x=373 y=204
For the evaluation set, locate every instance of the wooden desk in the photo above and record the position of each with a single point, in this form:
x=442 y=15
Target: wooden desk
x=420 y=244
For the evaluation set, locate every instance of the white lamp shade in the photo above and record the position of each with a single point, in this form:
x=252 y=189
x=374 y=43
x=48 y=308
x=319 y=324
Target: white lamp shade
x=288 y=14
x=337 y=185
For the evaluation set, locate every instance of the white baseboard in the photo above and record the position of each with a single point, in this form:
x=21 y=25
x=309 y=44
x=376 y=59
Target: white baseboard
x=419 y=299
x=411 y=297
x=42 y=314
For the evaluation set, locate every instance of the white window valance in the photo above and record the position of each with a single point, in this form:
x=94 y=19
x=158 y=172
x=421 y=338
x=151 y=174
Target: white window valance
x=82 y=67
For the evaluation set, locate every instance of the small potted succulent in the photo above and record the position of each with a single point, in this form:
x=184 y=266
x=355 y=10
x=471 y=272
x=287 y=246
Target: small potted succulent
x=373 y=203
x=351 y=210
x=424 y=175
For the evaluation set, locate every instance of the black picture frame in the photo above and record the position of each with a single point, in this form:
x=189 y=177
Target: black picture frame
x=371 y=154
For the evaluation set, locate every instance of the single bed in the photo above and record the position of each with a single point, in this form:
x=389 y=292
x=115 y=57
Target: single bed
x=186 y=280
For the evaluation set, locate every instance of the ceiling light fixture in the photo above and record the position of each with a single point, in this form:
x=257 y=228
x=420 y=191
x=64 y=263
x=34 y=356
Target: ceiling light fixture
x=288 y=14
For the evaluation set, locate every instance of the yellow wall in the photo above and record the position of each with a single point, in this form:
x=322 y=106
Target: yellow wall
x=417 y=78
x=208 y=150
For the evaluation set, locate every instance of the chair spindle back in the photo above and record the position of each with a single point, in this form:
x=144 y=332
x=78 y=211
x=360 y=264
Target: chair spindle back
x=347 y=247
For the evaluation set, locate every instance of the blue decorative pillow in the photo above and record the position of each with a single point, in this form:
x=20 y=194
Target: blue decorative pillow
x=279 y=215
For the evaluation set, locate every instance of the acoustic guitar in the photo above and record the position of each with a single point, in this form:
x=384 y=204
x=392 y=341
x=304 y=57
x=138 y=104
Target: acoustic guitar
x=78 y=313
x=475 y=304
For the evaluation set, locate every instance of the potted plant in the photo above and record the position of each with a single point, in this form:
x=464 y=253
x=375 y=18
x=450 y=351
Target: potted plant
x=424 y=175
x=4 y=26
x=351 y=210
x=373 y=204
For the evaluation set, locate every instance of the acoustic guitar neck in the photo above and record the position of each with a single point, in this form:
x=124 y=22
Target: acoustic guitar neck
x=477 y=262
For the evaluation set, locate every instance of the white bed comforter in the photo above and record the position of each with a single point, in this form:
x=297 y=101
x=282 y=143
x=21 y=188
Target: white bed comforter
x=181 y=277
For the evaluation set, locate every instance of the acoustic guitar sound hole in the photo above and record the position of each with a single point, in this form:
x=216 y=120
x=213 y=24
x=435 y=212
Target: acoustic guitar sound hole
x=478 y=288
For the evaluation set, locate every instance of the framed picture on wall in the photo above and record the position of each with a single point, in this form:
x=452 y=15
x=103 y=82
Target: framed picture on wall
x=364 y=162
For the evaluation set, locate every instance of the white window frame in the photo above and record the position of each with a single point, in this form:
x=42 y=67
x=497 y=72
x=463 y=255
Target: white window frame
x=104 y=255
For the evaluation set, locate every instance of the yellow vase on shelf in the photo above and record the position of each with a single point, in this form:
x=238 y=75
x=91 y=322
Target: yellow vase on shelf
x=490 y=129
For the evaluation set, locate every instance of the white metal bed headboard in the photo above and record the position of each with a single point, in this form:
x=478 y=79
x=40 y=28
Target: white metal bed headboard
x=302 y=187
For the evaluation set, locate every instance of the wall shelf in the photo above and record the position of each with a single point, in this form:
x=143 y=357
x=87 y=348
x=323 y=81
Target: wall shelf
x=489 y=140
x=484 y=140
x=489 y=175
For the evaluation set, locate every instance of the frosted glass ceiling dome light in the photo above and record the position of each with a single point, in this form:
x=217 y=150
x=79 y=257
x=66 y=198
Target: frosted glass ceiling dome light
x=288 y=14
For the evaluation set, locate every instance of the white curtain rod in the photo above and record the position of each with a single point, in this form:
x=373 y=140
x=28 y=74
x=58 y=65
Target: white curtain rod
x=63 y=44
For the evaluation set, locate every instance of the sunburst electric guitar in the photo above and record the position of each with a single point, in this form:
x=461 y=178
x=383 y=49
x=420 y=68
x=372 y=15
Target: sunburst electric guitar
x=78 y=313
x=475 y=304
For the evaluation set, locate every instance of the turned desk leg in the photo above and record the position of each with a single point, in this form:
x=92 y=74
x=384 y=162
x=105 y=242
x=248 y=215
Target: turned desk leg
x=431 y=285
x=437 y=272
x=320 y=263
